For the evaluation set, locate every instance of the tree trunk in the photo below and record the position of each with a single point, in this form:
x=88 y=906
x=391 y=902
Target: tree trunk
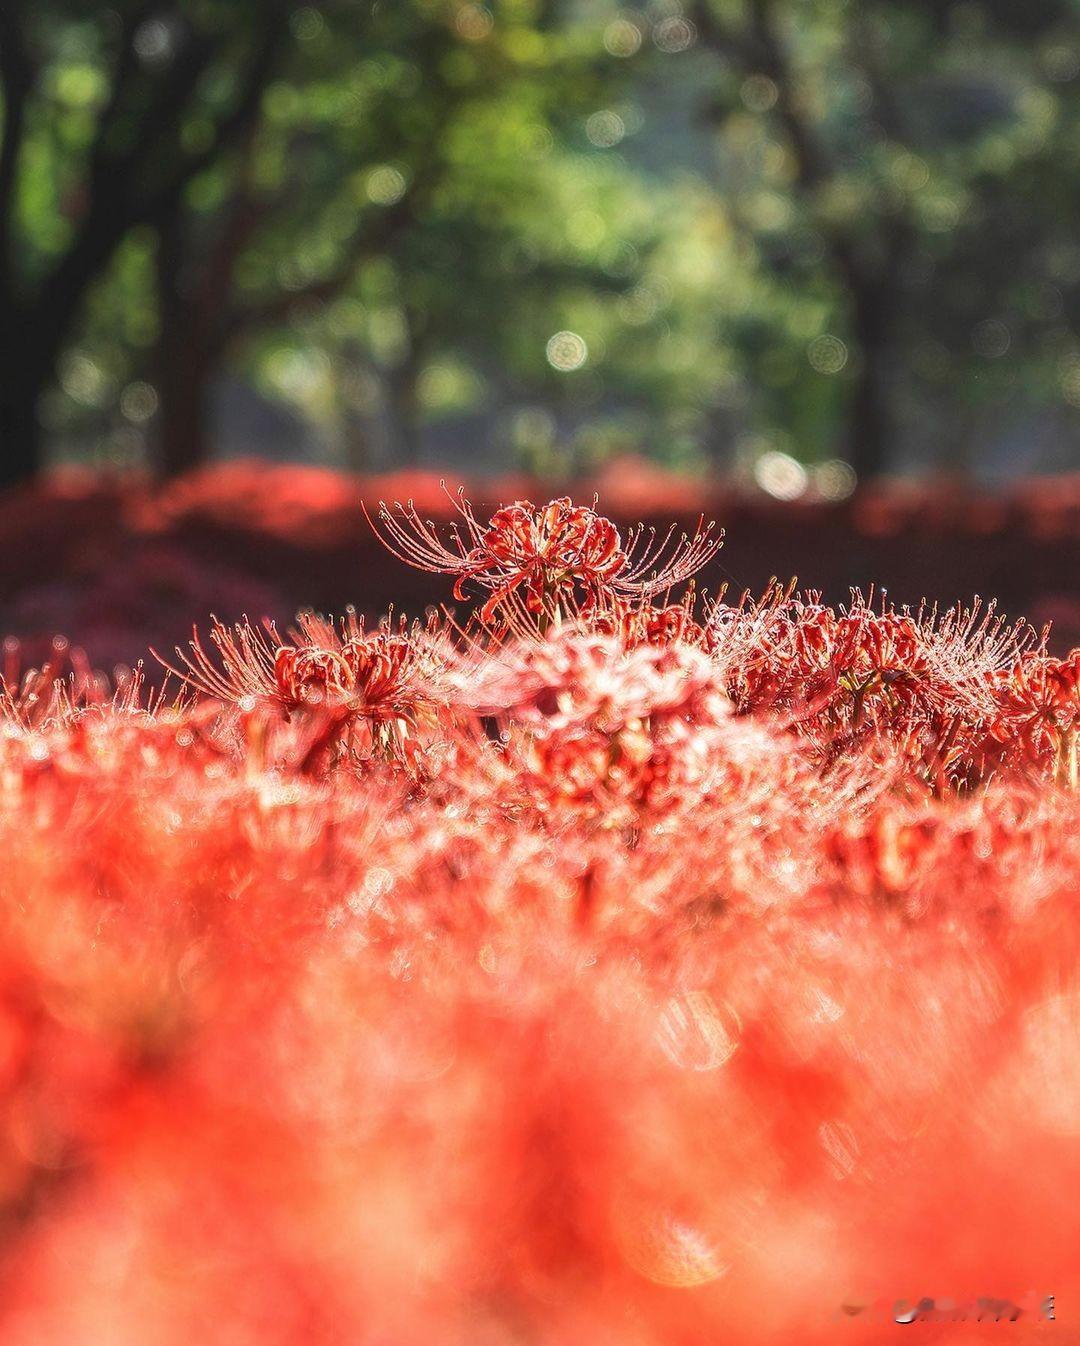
x=21 y=441
x=183 y=389
x=719 y=444
x=356 y=442
x=870 y=424
x=404 y=411
x=183 y=367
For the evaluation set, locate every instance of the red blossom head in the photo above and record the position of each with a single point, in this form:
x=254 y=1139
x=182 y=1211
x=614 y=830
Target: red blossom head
x=546 y=558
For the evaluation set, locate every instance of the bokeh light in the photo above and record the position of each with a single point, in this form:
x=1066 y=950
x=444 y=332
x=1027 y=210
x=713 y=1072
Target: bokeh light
x=474 y=22
x=833 y=480
x=307 y=23
x=84 y=380
x=566 y=351
x=991 y=339
x=1069 y=379
x=759 y=93
x=155 y=42
x=1061 y=62
x=827 y=354
x=605 y=129
x=385 y=185
x=674 y=34
x=622 y=38
x=780 y=475
x=139 y=402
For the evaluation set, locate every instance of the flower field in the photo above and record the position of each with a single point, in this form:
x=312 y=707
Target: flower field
x=598 y=961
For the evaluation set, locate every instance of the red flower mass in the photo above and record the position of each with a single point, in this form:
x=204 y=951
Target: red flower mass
x=607 y=967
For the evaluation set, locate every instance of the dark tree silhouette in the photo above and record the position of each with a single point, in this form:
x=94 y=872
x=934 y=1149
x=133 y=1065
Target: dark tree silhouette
x=134 y=173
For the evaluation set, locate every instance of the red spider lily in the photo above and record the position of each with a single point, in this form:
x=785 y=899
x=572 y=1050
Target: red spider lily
x=381 y=675
x=373 y=674
x=644 y=624
x=613 y=730
x=919 y=680
x=551 y=554
x=579 y=676
x=65 y=687
x=1038 y=701
x=699 y=956
x=345 y=679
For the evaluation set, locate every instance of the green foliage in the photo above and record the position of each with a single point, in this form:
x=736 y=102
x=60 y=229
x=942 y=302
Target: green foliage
x=697 y=232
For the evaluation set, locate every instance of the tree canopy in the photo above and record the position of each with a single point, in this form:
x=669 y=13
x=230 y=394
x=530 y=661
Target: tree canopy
x=726 y=233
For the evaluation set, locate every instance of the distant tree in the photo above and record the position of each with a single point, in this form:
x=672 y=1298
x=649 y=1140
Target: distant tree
x=97 y=143
x=909 y=167
x=698 y=232
x=376 y=146
x=189 y=183
x=317 y=183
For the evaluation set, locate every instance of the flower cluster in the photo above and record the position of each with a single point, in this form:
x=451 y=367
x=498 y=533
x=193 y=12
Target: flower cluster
x=608 y=965
x=962 y=694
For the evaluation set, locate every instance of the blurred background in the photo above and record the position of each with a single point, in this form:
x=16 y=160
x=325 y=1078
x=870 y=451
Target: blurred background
x=817 y=255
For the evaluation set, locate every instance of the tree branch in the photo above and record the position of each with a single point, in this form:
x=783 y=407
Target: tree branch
x=124 y=68
x=363 y=243
x=268 y=312
x=117 y=205
x=234 y=124
x=811 y=157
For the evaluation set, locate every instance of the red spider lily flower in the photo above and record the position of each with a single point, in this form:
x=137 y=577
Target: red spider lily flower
x=375 y=675
x=643 y=624
x=379 y=675
x=919 y=680
x=1039 y=704
x=595 y=724
x=1043 y=687
x=549 y=554
x=64 y=685
x=579 y=676
x=382 y=682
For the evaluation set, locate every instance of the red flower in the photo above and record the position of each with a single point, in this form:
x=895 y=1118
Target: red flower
x=643 y=624
x=382 y=682
x=1038 y=700
x=555 y=555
